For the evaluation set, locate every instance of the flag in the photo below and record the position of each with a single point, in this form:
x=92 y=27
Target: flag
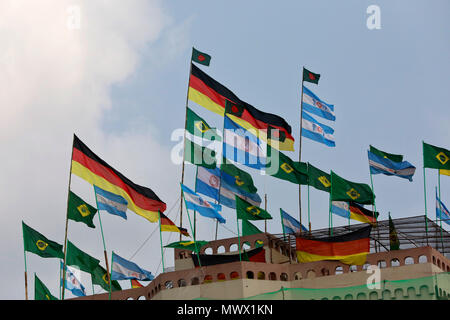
x=199 y=155
x=111 y=203
x=200 y=57
x=169 y=226
x=290 y=224
x=76 y=257
x=80 y=211
x=319 y=179
x=208 y=182
x=237 y=178
x=310 y=76
x=344 y=190
x=388 y=167
x=135 y=284
x=312 y=103
x=257 y=254
x=123 y=269
x=350 y=210
x=442 y=212
x=88 y=166
x=41 y=292
x=204 y=208
x=228 y=194
x=249 y=229
x=187 y=245
x=198 y=127
x=314 y=130
x=394 y=242
x=247 y=211
x=282 y=167
x=444 y=172
x=390 y=156
x=210 y=94
x=37 y=243
x=72 y=283
x=243 y=146
x=100 y=277
x=350 y=248
x=435 y=157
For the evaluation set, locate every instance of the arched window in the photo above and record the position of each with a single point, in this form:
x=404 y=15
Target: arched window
x=221 y=277
x=168 y=284
x=246 y=246
x=409 y=260
x=272 y=276
x=234 y=275
x=361 y=296
x=339 y=270
x=395 y=262
x=284 y=277
x=195 y=281
x=348 y=297
x=298 y=276
x=353 y=268
x=207 y=279
x=250 y=275
x=381 y=264
x=325 y=272
x=182 y=283
x=423 y=259
x=311 y=274
x=234 y=247
x=261 y=275
x=373 y=295
x=208 y=251
x=221 y=249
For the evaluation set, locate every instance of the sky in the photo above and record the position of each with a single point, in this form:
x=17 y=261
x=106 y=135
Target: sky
x=115 y=73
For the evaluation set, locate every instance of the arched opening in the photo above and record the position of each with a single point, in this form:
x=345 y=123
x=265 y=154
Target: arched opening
x=348 y=297
x=208 y=278
x=409 y=260
x=353 y=268
x=272 y=276
x=195 y=281
x=381 y=264
x=234 y=275
x=423 y=259
x=221 y=249
x=336 y=298
x=246 y=246
x=298 y=276
x=250 y=275
x=325 y=272
x=209 y=251
x=339 y=270
x=221 y=277
x=261 y=275
x=373 y=295
x=395 y=262
x=365 y=266
x=311 y=274
x=361 y=296
x=141 y=298
x=182 y=283
x=284 y=277
x=259 y=243
x=234 y=247
x=168 y=284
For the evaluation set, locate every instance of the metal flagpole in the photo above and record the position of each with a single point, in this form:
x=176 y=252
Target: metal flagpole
x=265 y=208
x=184 y=143
x=190 y=224
x=160 y=238
x=300 y=155
x=374 y=208
x=425 y=197
x=103 y=238
x=67 y=224
x=440 y=209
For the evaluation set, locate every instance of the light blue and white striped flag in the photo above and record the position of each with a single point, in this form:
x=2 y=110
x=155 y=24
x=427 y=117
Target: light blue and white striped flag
x=111 y=202
x=317 y=131
x=313 y=104
x=123 y=269
x=290 y=225
x=442 y=212
x=72 y=283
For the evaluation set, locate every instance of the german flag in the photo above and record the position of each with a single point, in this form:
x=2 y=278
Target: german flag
x=254 y=255
x=212 y=95
x=351 y=248
x=359 y=213
x=168 y=225
x=88 y=166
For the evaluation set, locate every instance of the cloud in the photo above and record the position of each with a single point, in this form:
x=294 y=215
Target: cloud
x=56 y=78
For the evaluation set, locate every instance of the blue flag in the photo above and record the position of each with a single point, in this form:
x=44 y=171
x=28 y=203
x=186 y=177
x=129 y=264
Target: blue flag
x=290 y=225
x=208 y=182
x=314 y=130
x=111 y=202
x=314 y=105
x=204 y=208
x=72 y=283
x=123 y=269
x=441 y=210
x=388 y=167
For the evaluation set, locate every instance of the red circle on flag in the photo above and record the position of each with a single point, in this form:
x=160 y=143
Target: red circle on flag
x=201 y=57
x=311 y=76
x=234 y=109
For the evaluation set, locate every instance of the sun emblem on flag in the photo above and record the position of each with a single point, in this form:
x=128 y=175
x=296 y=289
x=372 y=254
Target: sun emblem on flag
x=84 y=210
x=214 y=181
x=323 y=180
x=442 y=157
x=352 y=193
x=105 y=278
x=253 y=210
x=41 y=245
x=286 y=168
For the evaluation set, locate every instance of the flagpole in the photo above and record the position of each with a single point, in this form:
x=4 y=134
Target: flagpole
x=103 y=238
x=425 y=195
x=195 y=212
x=67 y=223
x=190 y=224
x=440 y=209
x=110 y=282
x=330 y=219
x=282 y=225
x=160 y=238
x=184 y=143
x=25 y=258
x=239 y=237
x=309 y=217
x=265 y=208
x=374 y=207
x=300 y=154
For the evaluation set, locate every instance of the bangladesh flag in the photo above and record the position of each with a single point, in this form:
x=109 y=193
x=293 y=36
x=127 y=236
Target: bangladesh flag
x=319 y=179
x=344 y=190
x=197 y=126
x=80 y=211
x=390 y=156
x=187 y=245
x=394 y=243
x=282 y=167
x=237 y=177
x=435 y=157
x=76 y=257
x=41 y=292
x=199 y=155
x=36 y=243
x=247 y=211
x=310 y=76
x=249 y=229
x=200 y=57
x=100 y=277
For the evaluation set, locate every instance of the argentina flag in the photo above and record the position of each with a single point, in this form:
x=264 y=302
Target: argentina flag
x=72 y=283
x=290 y=225
x=123 y=269
x=111 y=202
x=204 y=208
x=314 y=105
x=314 y=130
x=442 y=212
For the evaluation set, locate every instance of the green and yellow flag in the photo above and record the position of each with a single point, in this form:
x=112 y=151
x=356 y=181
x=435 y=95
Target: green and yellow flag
x=282 y=167
x=390 y=156
x=319 y=179
x=197 y=126
x=237 y=177
x=41 y=292
x=247 y=211
x=80 y=211
x=394 y=242
x=249 y=229
x=100 y=277
x=200 y=57
x=344 y=190
x=76 y=257
x=435 y=157
x=199 y=155
x=187 y=245
x=36 y=243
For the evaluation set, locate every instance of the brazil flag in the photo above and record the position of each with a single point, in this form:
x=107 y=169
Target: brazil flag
x=80 y=211
x=344 y=190
x=435 y=157
x=100 y=277
x=36 y=243
x=247 y=211
x=319 y=179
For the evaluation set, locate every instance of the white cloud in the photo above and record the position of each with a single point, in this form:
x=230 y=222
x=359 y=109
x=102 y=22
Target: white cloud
x=56 y=81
